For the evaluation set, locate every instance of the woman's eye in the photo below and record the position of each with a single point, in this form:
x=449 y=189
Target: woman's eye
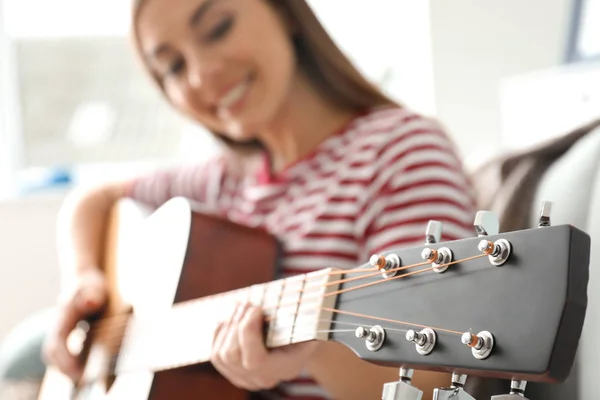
x=175 y=67
x=221 y=29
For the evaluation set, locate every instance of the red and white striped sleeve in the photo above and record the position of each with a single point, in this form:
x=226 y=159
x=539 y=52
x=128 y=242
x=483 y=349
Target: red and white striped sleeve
x=202 y=182
x=418 y=178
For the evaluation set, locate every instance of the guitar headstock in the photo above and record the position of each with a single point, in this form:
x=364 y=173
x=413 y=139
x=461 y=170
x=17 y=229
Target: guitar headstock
x=504 y=305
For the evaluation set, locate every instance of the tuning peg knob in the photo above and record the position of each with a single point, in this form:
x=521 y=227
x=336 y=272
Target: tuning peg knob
x=438 y=258
x=388 y=265
x=486 y=223
x=424 y=341
x=374 y=337
x=498 y=251
x=433 y=233
x=545 y=212
x=481 y=344
x=456 y=390
x=517 y=391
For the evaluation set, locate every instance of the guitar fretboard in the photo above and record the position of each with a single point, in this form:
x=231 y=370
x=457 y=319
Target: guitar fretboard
x=183 y=334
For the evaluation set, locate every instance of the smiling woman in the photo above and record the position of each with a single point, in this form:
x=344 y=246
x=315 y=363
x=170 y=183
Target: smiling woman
x=254 y=43
x=341 y=172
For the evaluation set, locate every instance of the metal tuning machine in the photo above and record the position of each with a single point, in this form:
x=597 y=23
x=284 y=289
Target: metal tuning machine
x=402 y=389
x=388 y=265
x=545 y=212
x=374 y=336
x=481 y=344
x=517 y=390
x=433 y=233
x=487 y=224
x=455 y=391
x=498 y=252
x=424 y=341
x=439 y=257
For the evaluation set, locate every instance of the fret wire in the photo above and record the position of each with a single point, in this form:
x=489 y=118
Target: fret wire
x=300 y=312
x=224 y=296
x=278 y=293
x=296 y=312
x=313 y=276
x=221 y=296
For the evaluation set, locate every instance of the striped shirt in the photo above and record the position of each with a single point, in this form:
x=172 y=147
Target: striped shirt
x=370 y=187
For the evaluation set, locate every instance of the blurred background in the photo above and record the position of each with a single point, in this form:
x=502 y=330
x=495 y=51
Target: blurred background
x=75 y=107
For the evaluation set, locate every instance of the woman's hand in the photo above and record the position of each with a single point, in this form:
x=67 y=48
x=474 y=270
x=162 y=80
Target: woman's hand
x=84 y=297
x=240 y=355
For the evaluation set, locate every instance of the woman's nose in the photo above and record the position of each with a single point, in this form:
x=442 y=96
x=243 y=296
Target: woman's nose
x=202 y=71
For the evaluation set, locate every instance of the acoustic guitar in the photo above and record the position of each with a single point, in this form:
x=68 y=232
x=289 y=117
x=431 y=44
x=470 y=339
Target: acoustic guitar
x=503 y=305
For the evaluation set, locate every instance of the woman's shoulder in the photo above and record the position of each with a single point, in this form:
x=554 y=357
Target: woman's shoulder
x=397 y=150
x=397 y=131
x=393 y=121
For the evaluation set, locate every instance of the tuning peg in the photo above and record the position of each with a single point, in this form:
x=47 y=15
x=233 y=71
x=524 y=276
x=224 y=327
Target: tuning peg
x=433 y=233
x=374 y=336
x=438 y=258
x=402 y=389
x=481 y=344
x=424 y=341
x=386 y=264
x=498 y=251
x=486 y=223
x=455 y=391
x=545 y=212
x=517 y=390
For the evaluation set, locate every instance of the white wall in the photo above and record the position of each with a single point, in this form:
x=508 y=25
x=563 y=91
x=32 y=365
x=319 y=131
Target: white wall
x=547 y=104
x=9 y=113
x=476 y=44
x=386 y=36
x=94 y=17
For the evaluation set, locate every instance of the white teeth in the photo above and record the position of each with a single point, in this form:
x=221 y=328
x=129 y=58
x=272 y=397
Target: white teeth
x=234 y=94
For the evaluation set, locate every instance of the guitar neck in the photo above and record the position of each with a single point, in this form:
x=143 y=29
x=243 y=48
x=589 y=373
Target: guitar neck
x=295 y=309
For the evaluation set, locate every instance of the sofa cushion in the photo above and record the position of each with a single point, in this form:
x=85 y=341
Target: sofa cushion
x=572 y=183
x=20 y=352
x=569 y=183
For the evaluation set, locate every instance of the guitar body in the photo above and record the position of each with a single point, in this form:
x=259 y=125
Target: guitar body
x=176 y=254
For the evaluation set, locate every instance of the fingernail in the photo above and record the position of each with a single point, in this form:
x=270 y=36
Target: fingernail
x=90 y=303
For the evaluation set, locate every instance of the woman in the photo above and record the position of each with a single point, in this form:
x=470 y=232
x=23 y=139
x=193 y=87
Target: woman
x=315 y=155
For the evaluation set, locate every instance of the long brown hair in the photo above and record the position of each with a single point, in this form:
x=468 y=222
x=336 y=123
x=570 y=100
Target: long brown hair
x=326 y=66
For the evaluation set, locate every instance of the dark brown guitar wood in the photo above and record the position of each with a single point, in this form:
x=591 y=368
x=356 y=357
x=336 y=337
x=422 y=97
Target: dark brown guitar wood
x=221 y=256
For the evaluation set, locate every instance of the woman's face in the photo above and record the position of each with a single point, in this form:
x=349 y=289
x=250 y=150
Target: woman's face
x=227 y=63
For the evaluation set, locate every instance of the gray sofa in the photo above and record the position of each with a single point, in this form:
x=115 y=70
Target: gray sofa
x=573 y=184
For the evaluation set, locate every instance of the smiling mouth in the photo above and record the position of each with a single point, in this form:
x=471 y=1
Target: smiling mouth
x=232 y=99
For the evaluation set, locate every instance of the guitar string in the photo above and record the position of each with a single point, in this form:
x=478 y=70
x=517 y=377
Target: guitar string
x=109 y=327
x=120 y=335
x=385 y=319
x=227 y=295
x=265 y=307
x=406 y=275
x=302 y=292
x=115 y=339
x=118 y=340
x=113 y=351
